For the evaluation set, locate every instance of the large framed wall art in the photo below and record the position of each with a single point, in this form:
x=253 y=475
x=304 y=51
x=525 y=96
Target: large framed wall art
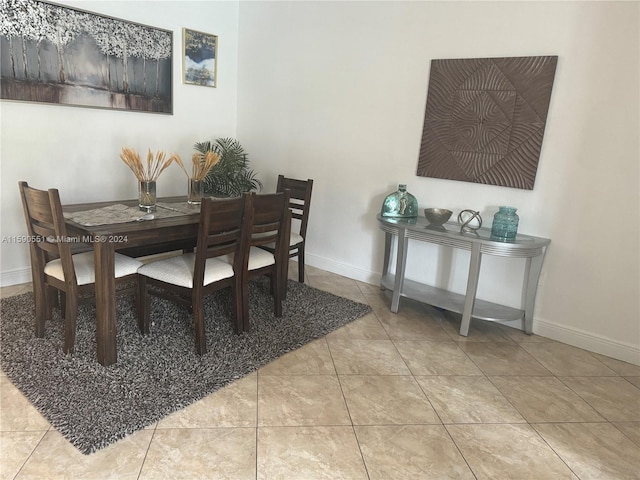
x=55 y=54
x=485 y=119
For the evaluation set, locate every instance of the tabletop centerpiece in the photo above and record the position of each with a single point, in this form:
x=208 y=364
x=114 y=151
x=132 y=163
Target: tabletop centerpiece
x=201 y=163
x=147 y=174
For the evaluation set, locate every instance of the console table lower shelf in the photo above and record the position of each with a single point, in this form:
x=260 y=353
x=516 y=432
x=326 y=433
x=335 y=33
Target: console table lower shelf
x=451 y=301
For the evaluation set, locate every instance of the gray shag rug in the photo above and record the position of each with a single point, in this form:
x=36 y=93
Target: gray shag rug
x=94 y=406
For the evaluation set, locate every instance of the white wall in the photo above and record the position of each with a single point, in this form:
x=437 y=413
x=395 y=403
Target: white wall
x=336 y=91
x=77 y=150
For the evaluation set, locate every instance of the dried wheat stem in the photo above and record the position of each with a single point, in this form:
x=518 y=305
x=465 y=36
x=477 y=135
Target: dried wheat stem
x=201 y=164
x=154 y=165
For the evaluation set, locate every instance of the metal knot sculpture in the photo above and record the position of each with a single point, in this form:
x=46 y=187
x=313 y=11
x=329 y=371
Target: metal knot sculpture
x=470 y=221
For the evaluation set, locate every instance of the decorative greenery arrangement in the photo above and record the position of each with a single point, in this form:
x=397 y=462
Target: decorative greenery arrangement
x=231 y=176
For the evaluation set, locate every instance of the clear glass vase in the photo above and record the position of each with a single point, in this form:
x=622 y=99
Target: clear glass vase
x=147 y=196
x=400 y=204
x=195 y=189
x=505 y=224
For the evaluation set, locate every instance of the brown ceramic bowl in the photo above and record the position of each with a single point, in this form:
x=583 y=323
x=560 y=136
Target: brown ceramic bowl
x=437 y=216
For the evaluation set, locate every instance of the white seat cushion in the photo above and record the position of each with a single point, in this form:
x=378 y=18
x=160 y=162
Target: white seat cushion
x=258 y=258
x=84 y=267
x=179 y=270
x=295 y=239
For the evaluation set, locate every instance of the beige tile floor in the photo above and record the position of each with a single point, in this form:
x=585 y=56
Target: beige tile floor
x=389 y=396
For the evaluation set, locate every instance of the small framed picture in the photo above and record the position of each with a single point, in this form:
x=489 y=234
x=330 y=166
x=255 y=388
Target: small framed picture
x=199 y=58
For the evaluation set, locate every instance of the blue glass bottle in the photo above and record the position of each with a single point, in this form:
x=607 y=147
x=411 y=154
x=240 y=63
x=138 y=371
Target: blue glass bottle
x=505 y=224
x=400 y=204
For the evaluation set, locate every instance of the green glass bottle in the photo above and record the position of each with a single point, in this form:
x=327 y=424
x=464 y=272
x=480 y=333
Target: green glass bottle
x=400 y=204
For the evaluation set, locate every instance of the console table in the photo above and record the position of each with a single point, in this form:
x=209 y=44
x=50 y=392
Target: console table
x=479 y=243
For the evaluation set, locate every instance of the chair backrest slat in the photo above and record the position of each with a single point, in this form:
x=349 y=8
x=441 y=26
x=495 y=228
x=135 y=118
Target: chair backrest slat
x=269 y=217
x=299 y=199
x=265 y=227
x=221 y=238
x=223 y=243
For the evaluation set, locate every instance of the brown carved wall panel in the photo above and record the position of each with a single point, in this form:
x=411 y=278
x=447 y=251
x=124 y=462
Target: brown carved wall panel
x=485 y=119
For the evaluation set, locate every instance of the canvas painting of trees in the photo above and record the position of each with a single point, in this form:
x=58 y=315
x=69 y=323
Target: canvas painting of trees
x=55 y=54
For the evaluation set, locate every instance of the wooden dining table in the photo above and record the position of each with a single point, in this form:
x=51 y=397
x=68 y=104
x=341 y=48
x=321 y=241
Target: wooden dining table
x=134 y=238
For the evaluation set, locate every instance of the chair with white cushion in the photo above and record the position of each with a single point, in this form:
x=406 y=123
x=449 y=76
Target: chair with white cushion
x=53 y=266
x=299 y=204
x=270 y=226
x=188 y=278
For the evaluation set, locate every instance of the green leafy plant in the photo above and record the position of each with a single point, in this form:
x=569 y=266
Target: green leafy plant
x=231 y=176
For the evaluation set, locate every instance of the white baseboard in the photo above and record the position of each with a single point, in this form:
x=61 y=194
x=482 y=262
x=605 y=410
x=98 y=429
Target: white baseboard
x=15 y=277
x=588 y=341
x=343 y=269
x=571 y=336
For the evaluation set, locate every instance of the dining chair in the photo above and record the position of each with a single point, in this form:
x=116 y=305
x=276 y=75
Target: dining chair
x=299 y=204
x=55 y=269
x=270 y=225
x=188 y=278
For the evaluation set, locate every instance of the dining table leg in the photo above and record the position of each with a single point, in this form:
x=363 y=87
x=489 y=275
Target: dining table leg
x=104 y=253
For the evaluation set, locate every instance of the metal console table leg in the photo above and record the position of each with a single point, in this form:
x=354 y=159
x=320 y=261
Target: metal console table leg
x=387 y=253
x=534 y=267
x=472 y=288
x=401 y=264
